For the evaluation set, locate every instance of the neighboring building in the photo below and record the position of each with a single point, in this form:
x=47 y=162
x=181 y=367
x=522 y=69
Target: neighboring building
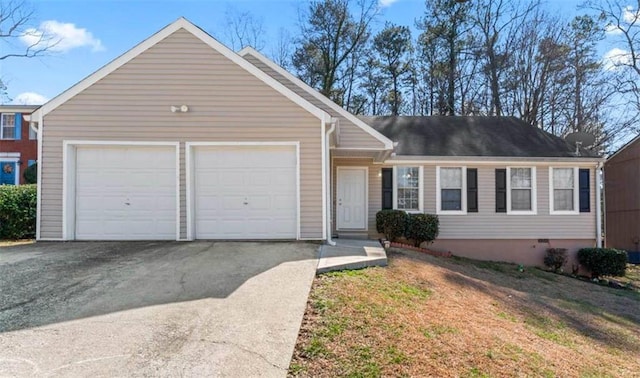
x=622 y=197
x=18 y=143
x=231 y=146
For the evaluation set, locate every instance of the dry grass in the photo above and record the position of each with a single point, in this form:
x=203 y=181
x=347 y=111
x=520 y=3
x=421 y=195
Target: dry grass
x=427 y=316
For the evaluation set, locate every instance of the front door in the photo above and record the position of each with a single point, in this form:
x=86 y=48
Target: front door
x=8 y=173
x=352 y=198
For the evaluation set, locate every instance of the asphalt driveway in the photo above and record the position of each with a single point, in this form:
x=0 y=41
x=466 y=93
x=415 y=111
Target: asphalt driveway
x=152 y=308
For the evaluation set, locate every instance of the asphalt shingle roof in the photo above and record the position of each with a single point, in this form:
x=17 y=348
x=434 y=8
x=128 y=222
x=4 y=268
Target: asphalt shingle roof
x=471 y=136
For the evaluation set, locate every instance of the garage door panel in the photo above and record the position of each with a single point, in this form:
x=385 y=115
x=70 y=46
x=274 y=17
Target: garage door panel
x=125 y=193
x=255 y=192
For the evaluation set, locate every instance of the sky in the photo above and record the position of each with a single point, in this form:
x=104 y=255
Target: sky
x=91 y=33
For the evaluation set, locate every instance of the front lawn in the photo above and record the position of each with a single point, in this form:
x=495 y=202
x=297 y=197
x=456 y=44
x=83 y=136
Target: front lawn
x=427 y=316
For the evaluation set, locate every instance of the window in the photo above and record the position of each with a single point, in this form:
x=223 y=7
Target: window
x=408 y=185
x=32 y=134
x=563 y=190
x=521 y=190
x=7 y=126
x=451 y=196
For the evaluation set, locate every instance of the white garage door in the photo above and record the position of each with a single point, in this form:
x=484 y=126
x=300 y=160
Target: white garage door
x=245 y=192
x=125 y=193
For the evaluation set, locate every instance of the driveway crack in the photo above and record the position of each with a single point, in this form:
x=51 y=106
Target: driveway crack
x=235 y=345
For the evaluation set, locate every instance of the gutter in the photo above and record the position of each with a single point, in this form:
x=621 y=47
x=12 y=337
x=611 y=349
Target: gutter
x=329 y=191
x=599 y=188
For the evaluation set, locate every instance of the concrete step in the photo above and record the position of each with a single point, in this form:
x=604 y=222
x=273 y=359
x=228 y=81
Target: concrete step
x=350 y=254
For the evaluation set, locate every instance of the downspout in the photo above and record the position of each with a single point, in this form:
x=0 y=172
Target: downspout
x=329 y=191
x=599 y=188
x=39 y=130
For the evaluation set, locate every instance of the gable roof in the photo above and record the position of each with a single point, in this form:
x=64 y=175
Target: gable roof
x=472 y=136
x=180 y=23
x=624 y=147
x=321 y=100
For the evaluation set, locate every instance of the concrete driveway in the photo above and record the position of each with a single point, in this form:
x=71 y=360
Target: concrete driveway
x=152 y=308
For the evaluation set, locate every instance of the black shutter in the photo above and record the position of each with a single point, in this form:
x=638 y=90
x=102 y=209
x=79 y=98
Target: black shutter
x=472 y=190
x=585 y=191
x=501 y=190
x=387 y=188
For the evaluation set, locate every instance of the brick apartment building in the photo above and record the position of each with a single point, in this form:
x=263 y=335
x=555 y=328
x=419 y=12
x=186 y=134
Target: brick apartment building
x=18 y=143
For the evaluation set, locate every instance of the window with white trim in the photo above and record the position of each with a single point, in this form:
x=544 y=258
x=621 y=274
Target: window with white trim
x=7 y=126
x=32 y=134
x=451 y=189
x=407 y=193
x=564 y=190
x=521 y=190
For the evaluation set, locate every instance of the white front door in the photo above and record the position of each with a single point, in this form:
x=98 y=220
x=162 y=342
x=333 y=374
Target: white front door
x=352 y=198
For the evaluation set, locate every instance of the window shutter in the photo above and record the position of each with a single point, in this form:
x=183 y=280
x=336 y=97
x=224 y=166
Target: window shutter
x=472 y=190
x=585 y=191
x=18 y=126
x=501 y=190
x=387 y=188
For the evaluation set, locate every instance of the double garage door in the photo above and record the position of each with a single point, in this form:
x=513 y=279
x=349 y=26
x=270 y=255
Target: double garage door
x=236 y=192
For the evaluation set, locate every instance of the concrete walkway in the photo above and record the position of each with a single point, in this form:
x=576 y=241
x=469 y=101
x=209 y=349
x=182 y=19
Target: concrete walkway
x=351 y=254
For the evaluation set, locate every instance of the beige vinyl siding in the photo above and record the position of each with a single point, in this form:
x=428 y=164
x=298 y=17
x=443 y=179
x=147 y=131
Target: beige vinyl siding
x=351 y=135
x=486 y=223
x=226 y=103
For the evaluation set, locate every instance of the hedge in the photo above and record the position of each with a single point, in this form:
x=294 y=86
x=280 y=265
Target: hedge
x=18 y=211
x=603 y=261
x=422 y=228
x=391 y=223
x=416 y=227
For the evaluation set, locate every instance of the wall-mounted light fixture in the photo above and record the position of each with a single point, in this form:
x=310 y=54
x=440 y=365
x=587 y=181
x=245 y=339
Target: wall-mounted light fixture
x=179 y=108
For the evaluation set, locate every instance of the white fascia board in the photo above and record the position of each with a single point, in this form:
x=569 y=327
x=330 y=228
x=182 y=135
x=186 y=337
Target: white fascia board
x=181 y=23
x=492 y=160
x=388 y=144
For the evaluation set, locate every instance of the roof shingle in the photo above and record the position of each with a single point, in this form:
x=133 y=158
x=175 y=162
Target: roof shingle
x=471 y=136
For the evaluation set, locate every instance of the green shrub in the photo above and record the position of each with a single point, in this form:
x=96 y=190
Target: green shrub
x=422 y=228
x=603 y=261
x=391 y=223
x=555 y=258
x=18 y=211
x=31 y=174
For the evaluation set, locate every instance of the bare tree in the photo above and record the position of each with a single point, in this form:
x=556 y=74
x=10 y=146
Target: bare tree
x=497 y=22
x=281 y=52
x=243 y=29
x=621 y=21
x=16 y=29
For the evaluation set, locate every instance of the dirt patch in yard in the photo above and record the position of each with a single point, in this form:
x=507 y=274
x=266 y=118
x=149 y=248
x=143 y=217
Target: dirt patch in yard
x=427 y=316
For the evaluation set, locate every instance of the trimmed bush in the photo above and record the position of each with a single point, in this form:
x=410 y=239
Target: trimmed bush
x=555 y=258
x=603 y=261
x=31 y=174
x=391 y=223
x=422 y=228
x=18 y=211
